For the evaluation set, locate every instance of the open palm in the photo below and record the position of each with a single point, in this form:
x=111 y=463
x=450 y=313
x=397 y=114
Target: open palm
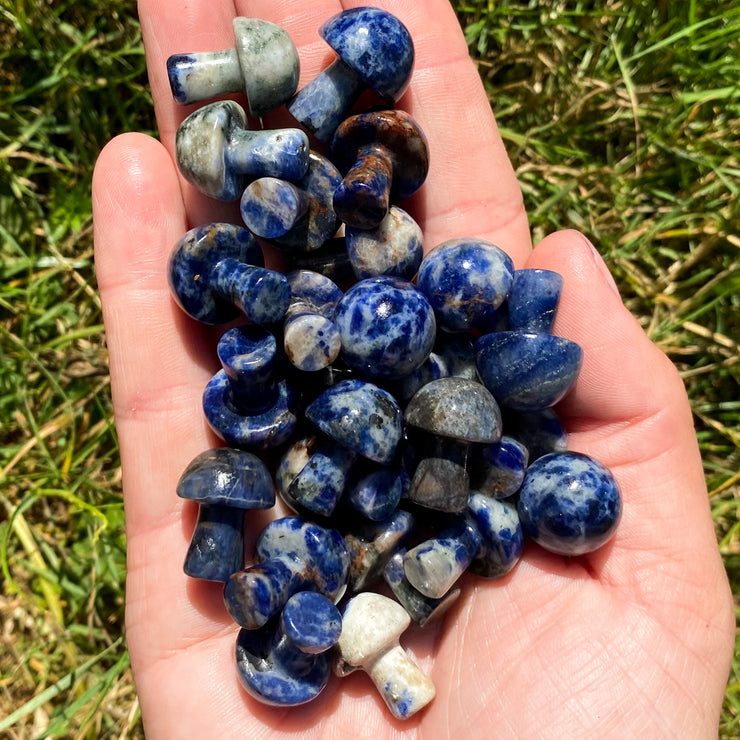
x=632 y=641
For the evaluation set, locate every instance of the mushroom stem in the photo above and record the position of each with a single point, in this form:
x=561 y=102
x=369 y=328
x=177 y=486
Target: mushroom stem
x=281 y=152
x=323 y=103
x=401 y=683
x=203 y=75
x=362 y=199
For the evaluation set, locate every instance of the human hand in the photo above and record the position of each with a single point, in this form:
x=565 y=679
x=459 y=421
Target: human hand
x=632 y=640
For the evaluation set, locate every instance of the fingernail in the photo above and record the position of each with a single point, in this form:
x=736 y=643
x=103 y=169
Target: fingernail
x=602 y=268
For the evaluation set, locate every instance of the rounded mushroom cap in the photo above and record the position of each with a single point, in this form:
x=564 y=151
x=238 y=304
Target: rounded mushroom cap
x=359 y=416
x=457 y=408
x=376 y=46
x=398 y=134
x=190 y=268
x=269 y=62
x=371 y=624
x=200 y=145
x=228 y=477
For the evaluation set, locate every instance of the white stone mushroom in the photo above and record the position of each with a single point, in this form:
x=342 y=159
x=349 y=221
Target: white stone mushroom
x=371 y=626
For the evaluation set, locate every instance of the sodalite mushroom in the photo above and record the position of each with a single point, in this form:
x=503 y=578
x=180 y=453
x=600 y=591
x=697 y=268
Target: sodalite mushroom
x=371 y=627
x=292 y=555
x=466 y=280
x=246 y=403
x=219 y=155
x=453 y=414
x=263 y=63
x=374 y=50
x=294 y=216
x=384 y=155
x=226 y=483
x=527 y=372
x=533 y=300
x=387 y=327
x=216 y=271
x=288 y=665
x=569 y=503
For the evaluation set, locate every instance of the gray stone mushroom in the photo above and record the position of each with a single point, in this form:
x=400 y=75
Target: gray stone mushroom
x=451 y=413
x=263 y=63
x=371 y=627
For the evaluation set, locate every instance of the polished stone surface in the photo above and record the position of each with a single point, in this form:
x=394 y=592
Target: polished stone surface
x=433 y=566
x=466 y=280
x=219 y=155
x=271 y=207
x=216 y=272
x=359 y=416
x=527 y=372
x=498 y=469
x=228 y=477
x=287 y=664
x=216 y=547
x=374 y=50
x=393 y=247
x=292 y=555
x=533 y=301
x=502 y=538
x=375 y=491
x=371 y=627
x=384 y=156
x=263 y=63
x=387 y=327
x=569 y=503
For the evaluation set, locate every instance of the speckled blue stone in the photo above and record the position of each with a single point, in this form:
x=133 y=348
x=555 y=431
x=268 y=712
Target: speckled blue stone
x=433 y=566
x=527 y=372
x=540 y=432
x=359 y=416
x=374 y=49
x=502 y=538
x=375 y=491
x=466 y=280
x=394 y=247
x=218 y=155
x=228 y=477
x=533 y=300
x=497 y=470
x=312 y=475
x=263 y=63
x=244 y=403
x=569 y=503
x=271 y=207
x=387 y=327
x=217 y=546
x=292 y=555
x=420 y=608
x=215 y=274
x=288 y=664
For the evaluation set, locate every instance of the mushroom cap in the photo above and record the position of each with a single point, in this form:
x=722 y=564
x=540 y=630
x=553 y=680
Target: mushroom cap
x=375 y=45
x=200 y=145
x=360 y=416
x=371 y=624
x=190 y=268
x=269 y=62
x=397 y=134
x=228 y=477
x=456 y=408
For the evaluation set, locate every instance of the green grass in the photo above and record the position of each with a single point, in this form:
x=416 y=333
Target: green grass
x=622 y=119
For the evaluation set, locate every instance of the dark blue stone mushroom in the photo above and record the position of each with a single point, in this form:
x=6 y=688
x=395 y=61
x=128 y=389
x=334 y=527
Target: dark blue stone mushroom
x=216 y=272
x=374 y=50
x=263 y=63
x=291 y=555
x=219 y=155
x=288 y=664
x=527 y=372
x=569 y=503
x=384 y=156
x=226 y=483
x=245 y=403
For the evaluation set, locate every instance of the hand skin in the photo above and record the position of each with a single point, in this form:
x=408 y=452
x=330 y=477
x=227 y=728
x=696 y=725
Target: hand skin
x=633 y=641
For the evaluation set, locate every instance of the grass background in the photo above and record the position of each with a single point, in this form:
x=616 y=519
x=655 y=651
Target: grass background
x=622 y=119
